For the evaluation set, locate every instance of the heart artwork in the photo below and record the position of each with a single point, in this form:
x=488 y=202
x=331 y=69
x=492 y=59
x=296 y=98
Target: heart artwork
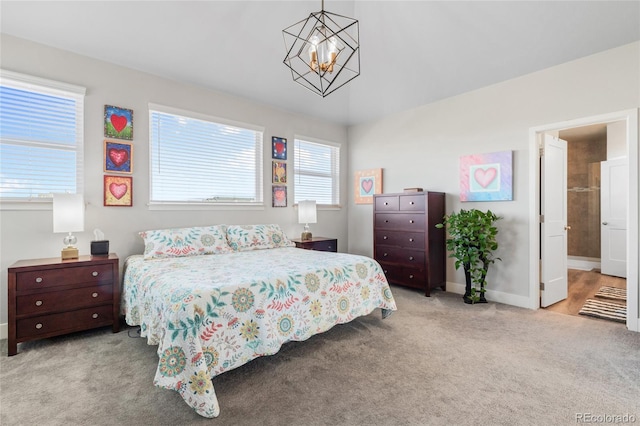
x=485 y=177
x=118 y=156
x=119 y=122
x=279 y=147
x=279 y=194
x=118 y=190
x=366 y=185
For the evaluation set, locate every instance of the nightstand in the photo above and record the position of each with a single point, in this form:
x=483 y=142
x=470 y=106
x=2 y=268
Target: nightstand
x=317 y=243
x=51 y=297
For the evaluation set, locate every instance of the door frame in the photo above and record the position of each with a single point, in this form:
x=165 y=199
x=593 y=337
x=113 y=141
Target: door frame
x=631 y=118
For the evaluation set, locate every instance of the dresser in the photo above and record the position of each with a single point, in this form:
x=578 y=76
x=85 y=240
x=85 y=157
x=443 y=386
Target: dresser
x=51 y=297
x=407 y=244
x=317 y=243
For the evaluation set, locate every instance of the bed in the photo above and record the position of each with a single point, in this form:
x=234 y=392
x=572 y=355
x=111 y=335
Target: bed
x=214 y=298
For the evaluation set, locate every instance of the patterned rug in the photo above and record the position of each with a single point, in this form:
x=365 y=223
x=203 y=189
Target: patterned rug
x=615 y=293
x=605 y=310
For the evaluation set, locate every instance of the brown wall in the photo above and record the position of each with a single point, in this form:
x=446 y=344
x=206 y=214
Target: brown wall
x=583 y=196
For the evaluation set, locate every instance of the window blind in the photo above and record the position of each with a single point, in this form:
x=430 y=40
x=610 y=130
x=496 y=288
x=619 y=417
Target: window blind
x=41 y=138
x=198 y=160
x=317 y=172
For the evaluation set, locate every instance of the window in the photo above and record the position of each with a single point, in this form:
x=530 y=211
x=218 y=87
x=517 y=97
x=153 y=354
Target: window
x=196 y=160
x=317 y=172
x=41 y=138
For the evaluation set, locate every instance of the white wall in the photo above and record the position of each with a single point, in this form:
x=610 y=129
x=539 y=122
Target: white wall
x=29 y=234
x=616 y=140
x=421 y=147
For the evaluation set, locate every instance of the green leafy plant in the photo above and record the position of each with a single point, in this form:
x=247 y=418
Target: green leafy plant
x=472 y=241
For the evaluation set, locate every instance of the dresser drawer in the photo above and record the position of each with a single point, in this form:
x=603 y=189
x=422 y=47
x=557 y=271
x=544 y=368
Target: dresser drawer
x=400 y=239
x=53 y=301
x=399 y=255
x=412 y=202
x=386 y=203
x=412 y=277
x=53 y=324
x=400 y=221
x=79 y=276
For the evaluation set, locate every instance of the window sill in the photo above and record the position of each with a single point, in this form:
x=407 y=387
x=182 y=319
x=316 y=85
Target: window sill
x=194 y=206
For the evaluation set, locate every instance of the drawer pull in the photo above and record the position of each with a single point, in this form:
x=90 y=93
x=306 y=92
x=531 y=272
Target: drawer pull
x=385 y=237
x=410 y=257
x=411 y=221
x=94 y=273
x=386 y=221
x=39 y=280
x=94 y=316
x=38 y=302
x=94 y=295
x=385 y=255
x=386 y=204
x=39 y=325
x=410 y=240
x=411 y=202
x=411 y=276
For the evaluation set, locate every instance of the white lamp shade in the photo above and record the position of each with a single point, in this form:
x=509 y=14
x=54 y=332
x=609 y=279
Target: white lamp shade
x=307 y=211
x=68 y=213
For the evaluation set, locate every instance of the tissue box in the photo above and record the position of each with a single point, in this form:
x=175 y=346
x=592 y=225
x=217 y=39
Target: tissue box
x=99 y=247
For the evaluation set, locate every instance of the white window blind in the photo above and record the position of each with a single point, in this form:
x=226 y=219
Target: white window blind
x=41 y=138
x=317 y=172
x=202 y=160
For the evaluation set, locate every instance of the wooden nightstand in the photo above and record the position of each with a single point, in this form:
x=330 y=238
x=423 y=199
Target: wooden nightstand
x=50 y=297
x=317 y=243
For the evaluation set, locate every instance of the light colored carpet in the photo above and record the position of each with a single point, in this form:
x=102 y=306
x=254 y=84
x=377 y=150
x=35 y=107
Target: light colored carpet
x=436 y=361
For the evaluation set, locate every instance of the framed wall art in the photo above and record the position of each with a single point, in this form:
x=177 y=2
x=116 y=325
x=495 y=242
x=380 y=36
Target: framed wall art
x=367 y=183
x=487 y=177
x=279 y=196
x=279 y=173
x=118 y=122
x=279 y=148
x=118 y=191
x=118 y=157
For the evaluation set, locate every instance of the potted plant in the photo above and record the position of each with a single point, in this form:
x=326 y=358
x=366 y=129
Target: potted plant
x=472 y=241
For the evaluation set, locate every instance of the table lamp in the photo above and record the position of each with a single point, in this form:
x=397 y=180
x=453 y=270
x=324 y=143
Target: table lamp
x=68 y=216
x=307 y=215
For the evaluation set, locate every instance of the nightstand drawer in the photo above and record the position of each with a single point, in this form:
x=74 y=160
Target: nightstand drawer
x=52 y=301
x=78 y=276
x=53 y=324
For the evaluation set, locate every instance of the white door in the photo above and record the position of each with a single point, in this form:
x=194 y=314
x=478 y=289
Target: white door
x=553 y=205
x=613 y=211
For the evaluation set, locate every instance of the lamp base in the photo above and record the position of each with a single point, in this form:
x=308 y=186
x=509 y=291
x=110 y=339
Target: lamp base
x=69 y=253
x=306 y=236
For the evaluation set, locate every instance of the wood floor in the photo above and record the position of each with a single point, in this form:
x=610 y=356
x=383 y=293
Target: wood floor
x=583 y=285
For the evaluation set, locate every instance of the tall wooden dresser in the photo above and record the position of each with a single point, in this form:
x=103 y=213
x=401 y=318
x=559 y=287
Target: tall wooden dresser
x=407 y=244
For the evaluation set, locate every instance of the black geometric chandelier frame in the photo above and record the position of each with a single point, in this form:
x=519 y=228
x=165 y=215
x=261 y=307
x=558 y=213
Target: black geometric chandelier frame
x=323 y=51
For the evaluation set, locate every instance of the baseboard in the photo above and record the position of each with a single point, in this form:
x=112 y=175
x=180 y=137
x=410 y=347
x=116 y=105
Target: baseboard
x=4 y=330
x=494 y=296
x=583 y=263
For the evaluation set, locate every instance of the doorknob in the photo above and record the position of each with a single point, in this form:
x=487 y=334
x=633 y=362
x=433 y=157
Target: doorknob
x=568 y=227
x=605 y=223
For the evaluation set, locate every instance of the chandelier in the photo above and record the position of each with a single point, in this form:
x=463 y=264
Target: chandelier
x=323 y=51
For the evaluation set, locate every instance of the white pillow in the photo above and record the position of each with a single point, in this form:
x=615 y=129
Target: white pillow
x=179 y=242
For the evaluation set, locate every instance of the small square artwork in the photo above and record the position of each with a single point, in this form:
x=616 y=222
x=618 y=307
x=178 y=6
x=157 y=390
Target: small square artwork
x=487 y=177
x=279 y=196
x=279 y=174
x=279 y=148
x=118 y=122
x=118 y=157
x=367 y=183
x=118 y=191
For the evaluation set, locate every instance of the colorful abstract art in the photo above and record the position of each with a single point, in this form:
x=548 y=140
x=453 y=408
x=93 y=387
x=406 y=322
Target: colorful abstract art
x=278 y=148
x=487 y=177
x=118 y=157
x=367 y=183
x=118 y=122
x=118 y=191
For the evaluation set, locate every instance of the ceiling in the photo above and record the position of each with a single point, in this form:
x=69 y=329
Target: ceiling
x=412 y=52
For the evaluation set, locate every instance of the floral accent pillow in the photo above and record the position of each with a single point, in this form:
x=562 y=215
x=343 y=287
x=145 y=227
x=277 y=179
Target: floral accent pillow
x=256 y=237
x=180 y=242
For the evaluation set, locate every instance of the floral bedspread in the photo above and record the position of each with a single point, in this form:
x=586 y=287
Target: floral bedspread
x=212 y=313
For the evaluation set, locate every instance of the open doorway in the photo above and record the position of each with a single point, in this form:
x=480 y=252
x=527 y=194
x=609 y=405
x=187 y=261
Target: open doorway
x=590 y=290
x=538 y=259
